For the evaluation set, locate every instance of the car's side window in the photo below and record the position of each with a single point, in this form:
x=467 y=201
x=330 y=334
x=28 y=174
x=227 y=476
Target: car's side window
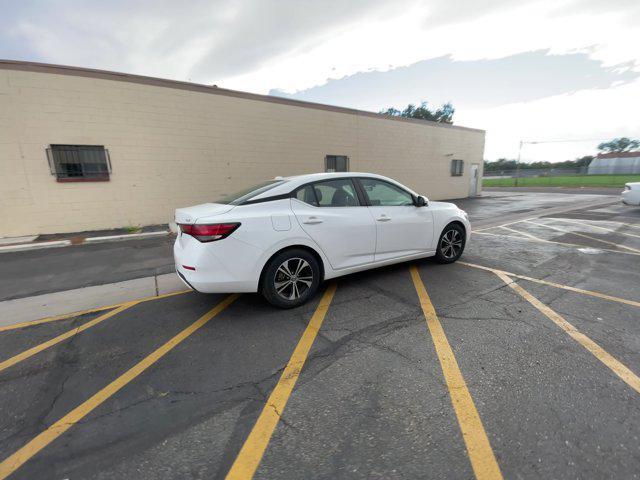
x=385 y=194
x=336 y=193
x=306 y=195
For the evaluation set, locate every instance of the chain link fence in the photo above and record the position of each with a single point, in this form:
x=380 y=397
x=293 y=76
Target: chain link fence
x=536 y=172
x=554 y=177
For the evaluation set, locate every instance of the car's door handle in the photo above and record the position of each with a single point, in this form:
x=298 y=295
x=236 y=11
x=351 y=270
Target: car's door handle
x=312 y=220
x=383 y=218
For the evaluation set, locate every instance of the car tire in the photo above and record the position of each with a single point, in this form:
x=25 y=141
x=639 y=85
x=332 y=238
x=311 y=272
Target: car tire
x=290 y=278
x=451 y=243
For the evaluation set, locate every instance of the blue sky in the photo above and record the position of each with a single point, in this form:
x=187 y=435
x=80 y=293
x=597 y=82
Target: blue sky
x=529 y=70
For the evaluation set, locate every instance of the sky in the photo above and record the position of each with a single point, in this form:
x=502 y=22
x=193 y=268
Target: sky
x=561 y=76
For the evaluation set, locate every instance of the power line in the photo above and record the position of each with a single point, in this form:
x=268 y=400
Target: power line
x=535 y=142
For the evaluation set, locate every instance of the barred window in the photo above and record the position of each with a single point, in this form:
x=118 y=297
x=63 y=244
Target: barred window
x=336 y=163
x=457 y=168
x=79 y=163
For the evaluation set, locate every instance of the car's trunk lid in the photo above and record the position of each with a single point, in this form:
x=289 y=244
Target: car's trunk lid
x=189 y=215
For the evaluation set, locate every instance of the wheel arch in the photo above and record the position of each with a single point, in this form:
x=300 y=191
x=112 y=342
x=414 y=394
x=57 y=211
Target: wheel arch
x=307 y=248
x=454 y=222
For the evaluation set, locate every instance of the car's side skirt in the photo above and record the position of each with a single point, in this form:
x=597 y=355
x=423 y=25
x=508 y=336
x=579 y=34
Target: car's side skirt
x=338 y=273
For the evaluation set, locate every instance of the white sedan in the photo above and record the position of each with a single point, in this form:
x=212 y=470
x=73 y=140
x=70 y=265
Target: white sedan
x=631 y=193
x=282 y=238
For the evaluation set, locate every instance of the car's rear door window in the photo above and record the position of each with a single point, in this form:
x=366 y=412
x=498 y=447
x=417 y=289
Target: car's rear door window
x=336 y=193
x=307 y=195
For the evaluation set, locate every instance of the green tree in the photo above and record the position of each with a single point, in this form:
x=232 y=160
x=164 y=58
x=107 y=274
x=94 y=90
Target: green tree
x=500 y=164
x=617 y=145
x=506 y=164
x=443 y=114
x=584 y=161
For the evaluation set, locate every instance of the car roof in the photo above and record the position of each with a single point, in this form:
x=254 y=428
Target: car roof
x=310 y=177
x=291 y=183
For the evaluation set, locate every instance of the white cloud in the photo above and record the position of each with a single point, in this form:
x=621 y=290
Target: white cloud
x=407 y=38
x=594 y=115
x=259 y=45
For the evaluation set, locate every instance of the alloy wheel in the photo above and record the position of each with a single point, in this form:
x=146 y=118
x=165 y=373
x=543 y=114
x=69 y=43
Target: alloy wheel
x=293 y=278
x=451 y=244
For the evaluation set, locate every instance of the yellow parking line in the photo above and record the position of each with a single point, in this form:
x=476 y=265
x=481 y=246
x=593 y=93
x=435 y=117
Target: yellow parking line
x=604 y=296
x=537 y=239
x=248 y=460
x=557 y=229
x=54 y=319
x=483 y=461
x=622 y=371
x=17 y=459
x=60 y=338
x=84 y=312
x=571 y=220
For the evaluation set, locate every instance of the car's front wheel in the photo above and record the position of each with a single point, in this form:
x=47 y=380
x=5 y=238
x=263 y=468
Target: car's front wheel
x=291 y=278
x=451 y=243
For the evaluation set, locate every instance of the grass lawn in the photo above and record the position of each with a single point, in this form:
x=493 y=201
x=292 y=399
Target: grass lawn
x=568 y=181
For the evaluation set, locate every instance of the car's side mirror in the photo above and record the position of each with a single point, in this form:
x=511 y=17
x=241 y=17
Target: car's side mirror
x=422 y=201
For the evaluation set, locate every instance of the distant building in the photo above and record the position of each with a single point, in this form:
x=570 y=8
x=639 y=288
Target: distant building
x=621 y=163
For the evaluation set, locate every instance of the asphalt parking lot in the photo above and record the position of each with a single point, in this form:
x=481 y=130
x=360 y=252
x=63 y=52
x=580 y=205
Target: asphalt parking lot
x=520 y=361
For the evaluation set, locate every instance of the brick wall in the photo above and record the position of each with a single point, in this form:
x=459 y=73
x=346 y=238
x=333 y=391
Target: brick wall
x=172 y=147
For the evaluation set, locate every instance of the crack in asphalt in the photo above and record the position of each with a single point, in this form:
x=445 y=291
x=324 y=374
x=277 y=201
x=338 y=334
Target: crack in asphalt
x=169 y=395
x=68 y=346
x=489 y=318
x=281 y=418
x=484 y=295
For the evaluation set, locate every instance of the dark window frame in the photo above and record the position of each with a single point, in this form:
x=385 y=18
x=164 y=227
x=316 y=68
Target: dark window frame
x=247 y=198
x=77 y=171
x=457 y=168
x=334 y=159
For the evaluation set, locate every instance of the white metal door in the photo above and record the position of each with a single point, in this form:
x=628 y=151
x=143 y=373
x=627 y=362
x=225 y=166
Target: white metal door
x=473 y=180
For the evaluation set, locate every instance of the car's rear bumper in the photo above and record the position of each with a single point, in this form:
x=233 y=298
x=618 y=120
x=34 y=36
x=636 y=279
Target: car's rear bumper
x=185 y=281
x=217 y=267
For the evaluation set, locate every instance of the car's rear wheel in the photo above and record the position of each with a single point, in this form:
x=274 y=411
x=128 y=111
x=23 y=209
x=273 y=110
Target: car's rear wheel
x=291 y=278
x=451 y=243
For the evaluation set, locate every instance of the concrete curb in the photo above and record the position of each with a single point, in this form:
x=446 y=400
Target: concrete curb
x=17 y=240
x=35 y=246
x=127 y=236
x=69 y=301
x=65 y=243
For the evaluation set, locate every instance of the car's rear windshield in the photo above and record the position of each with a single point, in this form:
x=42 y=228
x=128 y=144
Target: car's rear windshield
x=245 y=194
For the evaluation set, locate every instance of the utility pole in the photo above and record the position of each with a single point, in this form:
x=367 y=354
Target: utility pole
x=518 y=162
x=537 y=142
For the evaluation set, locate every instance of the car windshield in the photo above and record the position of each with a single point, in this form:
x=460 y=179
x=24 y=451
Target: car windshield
x=240 y=196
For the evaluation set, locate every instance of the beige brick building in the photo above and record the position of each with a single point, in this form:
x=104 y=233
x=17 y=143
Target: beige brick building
x=83 y=149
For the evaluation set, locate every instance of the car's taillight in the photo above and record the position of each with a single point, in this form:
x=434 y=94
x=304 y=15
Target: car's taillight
x=211 y=232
